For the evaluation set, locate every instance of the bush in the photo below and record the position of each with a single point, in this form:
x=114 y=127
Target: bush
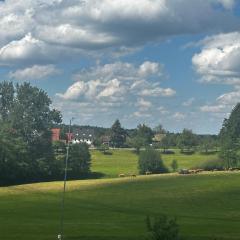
x=174 y=165
x=168 y=152
x=212 y=164
x=150 y=161
x=79 y=160
x=162 y=228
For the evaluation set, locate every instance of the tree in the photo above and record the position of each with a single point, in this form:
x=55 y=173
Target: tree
x=230 y=139
x=14 y=162
x=6 y=100
x=207 y=144
x=27 y=113
x=162 y=228
x=136 y=142
x=150 y=161
x=146 y=133
x=79 y=160
x=166 y=142
x=118 y=134
x=187 y=140
x=174 y=165
x=159 y=129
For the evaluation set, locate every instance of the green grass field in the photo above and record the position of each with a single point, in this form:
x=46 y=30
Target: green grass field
x=206 y=206
x=125 y=161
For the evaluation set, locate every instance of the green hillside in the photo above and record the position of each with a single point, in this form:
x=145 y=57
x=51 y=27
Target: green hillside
x=125 y=161
x=206 y=206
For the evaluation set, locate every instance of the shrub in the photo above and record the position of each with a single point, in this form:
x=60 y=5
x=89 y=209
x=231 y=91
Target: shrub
x=174 y=165
x=212 y=164
x=150 y=161
x=162 y=228
x=168 y=152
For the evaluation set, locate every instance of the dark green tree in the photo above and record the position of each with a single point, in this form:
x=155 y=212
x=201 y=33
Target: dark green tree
x=6 y=100
x=79 y=160
x=230 y=139
x=150 y=161
x=146 y=133
x=187 y=140
x=118 y=134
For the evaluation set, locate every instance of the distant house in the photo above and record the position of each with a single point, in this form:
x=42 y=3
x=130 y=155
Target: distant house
x=158 y=137
x=55 y=134
x=83 y=135
x=105 y=140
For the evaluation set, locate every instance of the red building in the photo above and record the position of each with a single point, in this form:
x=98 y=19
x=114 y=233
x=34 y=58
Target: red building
x=55 y=134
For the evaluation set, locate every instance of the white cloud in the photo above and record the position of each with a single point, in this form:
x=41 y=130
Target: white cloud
x=228 y=4
x=112 y=88
x=179 y=116
x=148 y=68
x=219 y=60
x=189 y=102
x=118 y=85
x=143 y=104
x=26 y=49
x=100 y=25
x=34 y=73
x=158 y=92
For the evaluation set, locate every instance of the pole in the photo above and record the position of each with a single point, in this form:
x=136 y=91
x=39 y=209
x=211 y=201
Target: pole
x=60 y=235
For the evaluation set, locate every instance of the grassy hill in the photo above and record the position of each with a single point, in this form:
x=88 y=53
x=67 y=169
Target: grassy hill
x=206 y=206
x=125 y=161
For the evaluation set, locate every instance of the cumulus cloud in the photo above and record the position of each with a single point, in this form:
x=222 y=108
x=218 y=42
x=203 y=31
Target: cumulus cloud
x=189 y=102
x=219 y=59
x=118 y=79
x=179 y=116
x=28 y=49
x=98 y=25
x=35 y=72
x=119 y=85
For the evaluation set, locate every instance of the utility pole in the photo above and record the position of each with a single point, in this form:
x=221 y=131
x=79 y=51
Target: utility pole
x=61 y=234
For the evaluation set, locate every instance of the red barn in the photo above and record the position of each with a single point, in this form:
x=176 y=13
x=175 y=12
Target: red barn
x=55 y=134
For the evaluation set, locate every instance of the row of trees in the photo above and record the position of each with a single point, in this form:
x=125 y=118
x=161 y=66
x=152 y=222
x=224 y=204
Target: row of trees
x=143 y=136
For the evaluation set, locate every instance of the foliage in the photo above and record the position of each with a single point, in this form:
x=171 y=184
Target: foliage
x=103 y=148
x=79 y=160
x=136 y=142
x=26 y=120
x=118 y=135
x=145 y=132
x=159 y=129
x=174 y=165
x=141 y=138
x=166 y=142
x=208 y=145
x=150 y=161
x=162 y=228
x=212 y=164
x=187 y=141
x=230 y=139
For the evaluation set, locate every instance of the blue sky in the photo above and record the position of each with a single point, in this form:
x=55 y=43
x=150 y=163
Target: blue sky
x=175 y=62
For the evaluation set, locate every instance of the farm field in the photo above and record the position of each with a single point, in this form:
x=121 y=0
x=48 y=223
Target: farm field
x=125 y=161
x=206 y=206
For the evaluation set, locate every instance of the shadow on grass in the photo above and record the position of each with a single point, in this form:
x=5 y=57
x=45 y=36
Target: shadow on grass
x=103 y=238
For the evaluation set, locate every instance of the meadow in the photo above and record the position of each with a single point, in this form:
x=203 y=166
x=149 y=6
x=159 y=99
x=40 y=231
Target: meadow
x=126 y=161
x=206 y=206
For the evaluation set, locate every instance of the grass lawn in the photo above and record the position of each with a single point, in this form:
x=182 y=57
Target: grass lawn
x=206 y=206
x=125 y=161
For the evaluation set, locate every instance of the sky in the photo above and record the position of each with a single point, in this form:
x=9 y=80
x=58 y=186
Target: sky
x=169 y=62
